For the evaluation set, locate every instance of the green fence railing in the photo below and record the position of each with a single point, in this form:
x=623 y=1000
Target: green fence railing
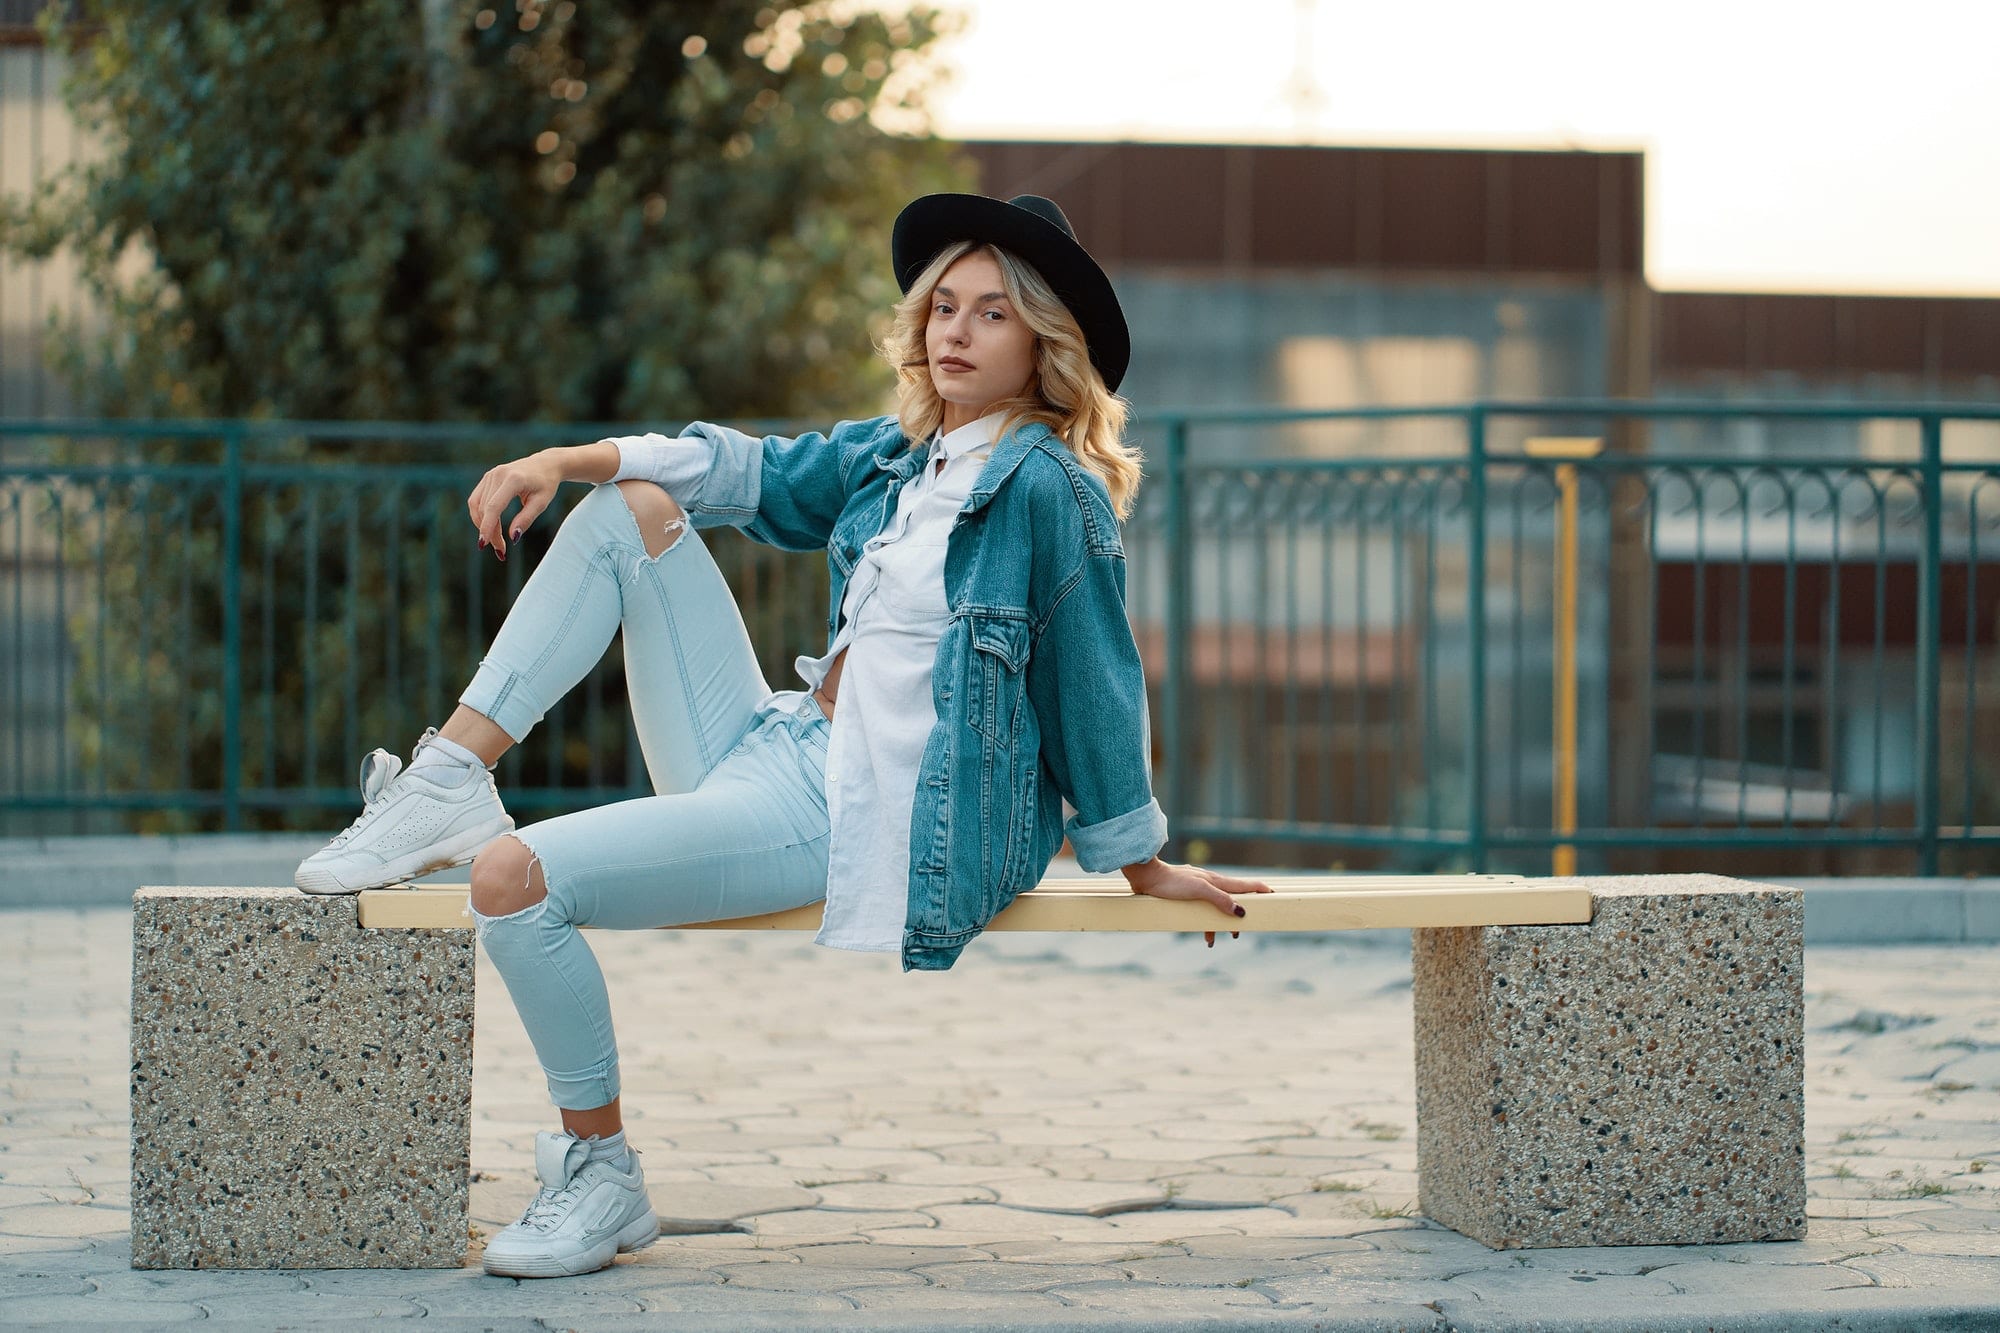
x=1785 y=652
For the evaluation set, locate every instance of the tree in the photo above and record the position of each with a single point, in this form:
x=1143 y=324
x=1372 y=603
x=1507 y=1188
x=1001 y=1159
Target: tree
x=496 y=210
x=595 y=212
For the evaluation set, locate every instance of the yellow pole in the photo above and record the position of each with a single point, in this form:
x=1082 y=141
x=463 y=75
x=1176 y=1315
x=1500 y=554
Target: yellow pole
x=1564 y=859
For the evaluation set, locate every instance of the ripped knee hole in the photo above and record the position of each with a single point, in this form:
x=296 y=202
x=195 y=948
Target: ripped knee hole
x=672 y=530
x=527 y=896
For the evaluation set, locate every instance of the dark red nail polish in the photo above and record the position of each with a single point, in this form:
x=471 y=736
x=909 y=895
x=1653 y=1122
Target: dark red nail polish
x=482 y=543
x=1239 y=909
x=514 y=536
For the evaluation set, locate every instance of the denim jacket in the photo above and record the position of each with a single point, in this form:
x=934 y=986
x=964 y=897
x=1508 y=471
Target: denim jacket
x=1039 y=692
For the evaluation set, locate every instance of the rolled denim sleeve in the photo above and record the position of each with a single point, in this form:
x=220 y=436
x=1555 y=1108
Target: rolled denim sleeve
x=1122 y=840
x=1088 y=690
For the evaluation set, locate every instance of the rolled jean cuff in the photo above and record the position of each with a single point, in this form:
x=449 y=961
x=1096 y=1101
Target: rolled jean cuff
x=497 y=695
x=586 y=1089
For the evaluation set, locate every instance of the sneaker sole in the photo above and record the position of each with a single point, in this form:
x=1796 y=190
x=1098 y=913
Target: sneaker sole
x=456 y=852
x=637 y=1235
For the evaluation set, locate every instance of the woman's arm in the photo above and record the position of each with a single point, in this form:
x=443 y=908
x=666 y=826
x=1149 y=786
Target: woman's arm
x=1088 y=691
x=587 y=462
x=787 y=492
x=782 y=490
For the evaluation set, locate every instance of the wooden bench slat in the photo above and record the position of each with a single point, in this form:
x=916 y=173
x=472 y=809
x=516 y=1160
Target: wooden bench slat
x=1298 y=903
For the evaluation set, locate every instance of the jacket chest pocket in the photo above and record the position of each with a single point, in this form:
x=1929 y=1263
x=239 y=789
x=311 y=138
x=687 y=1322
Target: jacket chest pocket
x=997 y=686
x=843 y=549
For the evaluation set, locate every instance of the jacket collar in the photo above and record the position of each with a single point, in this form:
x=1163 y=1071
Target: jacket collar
x=903 y=464
x=1007 y=454
x=1008 y=451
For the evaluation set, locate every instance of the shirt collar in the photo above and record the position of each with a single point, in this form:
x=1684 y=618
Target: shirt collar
x=973 y=435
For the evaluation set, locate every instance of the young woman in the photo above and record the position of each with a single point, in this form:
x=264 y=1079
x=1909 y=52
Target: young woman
x=979 y=664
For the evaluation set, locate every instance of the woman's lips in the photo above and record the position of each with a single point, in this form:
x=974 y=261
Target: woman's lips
x=953 y=363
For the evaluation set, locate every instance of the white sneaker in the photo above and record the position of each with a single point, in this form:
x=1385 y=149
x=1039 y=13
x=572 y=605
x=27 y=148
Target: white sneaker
x=587 y=1214
x=410 y=825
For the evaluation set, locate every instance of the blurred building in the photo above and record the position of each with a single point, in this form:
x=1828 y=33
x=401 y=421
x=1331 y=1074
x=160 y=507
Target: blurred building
x=1345 y=277
x=1339 y=277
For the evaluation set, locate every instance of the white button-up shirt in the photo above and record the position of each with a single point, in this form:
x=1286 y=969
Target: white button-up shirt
x=892 y=615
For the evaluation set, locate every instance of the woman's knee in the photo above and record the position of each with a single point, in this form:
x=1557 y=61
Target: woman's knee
x=507 y=878
x=660 y=517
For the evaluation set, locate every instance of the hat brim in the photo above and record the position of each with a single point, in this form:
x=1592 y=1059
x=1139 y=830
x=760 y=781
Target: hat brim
x=935 y=221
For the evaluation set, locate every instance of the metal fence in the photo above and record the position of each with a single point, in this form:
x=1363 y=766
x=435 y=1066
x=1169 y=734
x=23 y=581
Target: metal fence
x=1781 y=645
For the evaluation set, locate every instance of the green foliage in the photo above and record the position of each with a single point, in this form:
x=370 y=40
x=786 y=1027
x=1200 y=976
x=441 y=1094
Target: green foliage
x=504 y=212
x=592 y=212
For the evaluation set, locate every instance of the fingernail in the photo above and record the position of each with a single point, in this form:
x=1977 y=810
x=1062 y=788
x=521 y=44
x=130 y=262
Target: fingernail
x=482 y=543
x=1211 y=941
x=1239 y=909
x=514 y=536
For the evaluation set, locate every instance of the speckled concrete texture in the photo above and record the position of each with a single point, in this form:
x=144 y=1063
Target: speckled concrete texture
x=1635 y=1081
x=300 y=1089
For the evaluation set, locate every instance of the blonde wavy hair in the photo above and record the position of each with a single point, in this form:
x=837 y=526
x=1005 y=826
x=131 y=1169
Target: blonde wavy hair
x=1065 y=392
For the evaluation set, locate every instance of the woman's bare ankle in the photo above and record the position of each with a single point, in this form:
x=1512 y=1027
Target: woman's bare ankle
x=477 y=733
x=598 y=1122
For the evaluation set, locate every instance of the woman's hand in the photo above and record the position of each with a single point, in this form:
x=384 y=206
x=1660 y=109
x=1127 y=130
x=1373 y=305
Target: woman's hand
x=1188 y=883
x=532 y=480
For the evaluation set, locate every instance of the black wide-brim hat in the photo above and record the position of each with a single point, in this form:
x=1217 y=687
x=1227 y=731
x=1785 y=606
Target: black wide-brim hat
x=1036 y=231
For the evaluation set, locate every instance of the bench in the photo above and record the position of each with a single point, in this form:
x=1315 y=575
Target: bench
x=1298 y=903
x=1599 y=1061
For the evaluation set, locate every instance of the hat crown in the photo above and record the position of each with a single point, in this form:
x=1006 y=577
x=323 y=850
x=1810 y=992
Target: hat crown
x=1045 y=209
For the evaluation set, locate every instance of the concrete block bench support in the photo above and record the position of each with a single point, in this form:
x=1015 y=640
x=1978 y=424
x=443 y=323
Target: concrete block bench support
x=301 y=1087
x=1636 y=1081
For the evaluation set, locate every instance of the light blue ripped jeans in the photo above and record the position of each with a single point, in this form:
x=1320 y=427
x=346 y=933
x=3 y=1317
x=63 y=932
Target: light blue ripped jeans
x=739 y=824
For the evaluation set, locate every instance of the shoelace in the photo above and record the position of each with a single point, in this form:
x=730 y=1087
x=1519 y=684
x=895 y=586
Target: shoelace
x=379 y=770
x=378 y=774
x=546 y=1211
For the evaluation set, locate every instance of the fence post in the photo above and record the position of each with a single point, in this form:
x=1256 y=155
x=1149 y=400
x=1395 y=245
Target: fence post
x=232 y=631
x=1564 y=749
x=1180 y=569
x=1475 y=631
x=1930 y=628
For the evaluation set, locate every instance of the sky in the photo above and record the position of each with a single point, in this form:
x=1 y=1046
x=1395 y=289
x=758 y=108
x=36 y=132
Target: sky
x=1831 y=146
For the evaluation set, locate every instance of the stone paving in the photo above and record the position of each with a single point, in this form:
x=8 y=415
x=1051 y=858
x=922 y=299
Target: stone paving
x=1098 y=1132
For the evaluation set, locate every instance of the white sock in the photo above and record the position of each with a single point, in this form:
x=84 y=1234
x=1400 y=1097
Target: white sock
x=442 y=751
x=610 y=1150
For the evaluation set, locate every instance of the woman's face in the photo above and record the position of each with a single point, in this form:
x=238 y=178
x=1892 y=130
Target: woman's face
x=980 y=349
